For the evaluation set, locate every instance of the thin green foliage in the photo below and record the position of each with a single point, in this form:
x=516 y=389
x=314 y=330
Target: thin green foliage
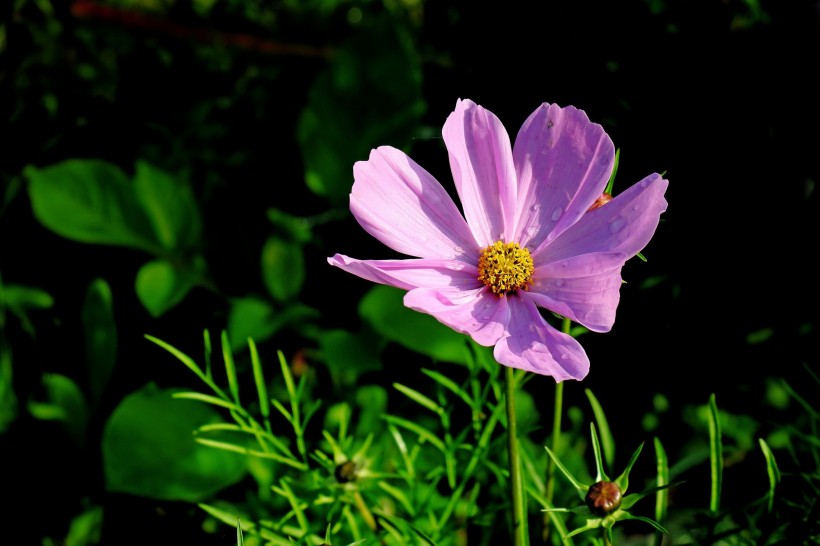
x=607 y=440
x=773 y=472
x=715 y=455
x=662 y=495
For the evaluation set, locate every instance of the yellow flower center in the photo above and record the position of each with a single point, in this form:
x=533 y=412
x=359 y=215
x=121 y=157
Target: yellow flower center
x=505 y=267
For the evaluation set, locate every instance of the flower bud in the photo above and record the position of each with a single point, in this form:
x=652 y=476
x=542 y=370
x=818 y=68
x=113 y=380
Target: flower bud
x=603 y=498
x=346 y=472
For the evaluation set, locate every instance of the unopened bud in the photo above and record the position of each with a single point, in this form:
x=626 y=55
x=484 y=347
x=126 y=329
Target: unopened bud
x=603 y=498
x=346 y=472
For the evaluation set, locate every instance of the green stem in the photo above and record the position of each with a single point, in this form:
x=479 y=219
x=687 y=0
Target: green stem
x=557 y=411
x=521 y=538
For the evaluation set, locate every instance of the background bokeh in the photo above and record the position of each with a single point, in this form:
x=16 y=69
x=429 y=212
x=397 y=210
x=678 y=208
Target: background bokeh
x=262 y=105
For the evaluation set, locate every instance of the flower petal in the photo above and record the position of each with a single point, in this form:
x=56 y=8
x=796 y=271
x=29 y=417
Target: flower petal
x=625 y=224
x=413 y=273
x=585 y=289
x=478 y=313
x=563 y=162
x=483 y=171
x=403 y=206
x=537 y=347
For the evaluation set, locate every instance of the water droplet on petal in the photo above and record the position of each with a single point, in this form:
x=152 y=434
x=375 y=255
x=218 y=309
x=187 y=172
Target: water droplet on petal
x=617 y=225
x=556 y=214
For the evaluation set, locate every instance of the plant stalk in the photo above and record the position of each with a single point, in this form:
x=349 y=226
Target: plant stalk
x=520 y=535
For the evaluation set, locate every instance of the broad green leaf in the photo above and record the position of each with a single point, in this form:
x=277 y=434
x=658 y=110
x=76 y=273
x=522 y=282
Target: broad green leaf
x=369 y=95
x=169 y=206
x=90 y=201
x=347 y=354
x=160 y=286
x=149 y=449
x=100 y=331
x=283 y=268
x=255 y=318
x=384 y=309
x=65 y=403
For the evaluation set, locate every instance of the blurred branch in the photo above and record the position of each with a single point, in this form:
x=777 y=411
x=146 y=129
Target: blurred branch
x=134 y=19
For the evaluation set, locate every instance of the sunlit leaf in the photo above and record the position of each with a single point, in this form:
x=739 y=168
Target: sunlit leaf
x=160 y=286
x=383 y=308
x=149 y=449
x=169 y=205
x=90 y=201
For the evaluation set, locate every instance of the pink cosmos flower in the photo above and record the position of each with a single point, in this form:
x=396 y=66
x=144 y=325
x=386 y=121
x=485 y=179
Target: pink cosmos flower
x=534 y=232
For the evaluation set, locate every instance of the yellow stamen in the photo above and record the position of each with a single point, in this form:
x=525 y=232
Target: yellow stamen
x=505 y=268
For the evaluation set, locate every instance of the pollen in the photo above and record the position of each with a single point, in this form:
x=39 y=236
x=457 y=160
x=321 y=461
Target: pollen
x=505 y=268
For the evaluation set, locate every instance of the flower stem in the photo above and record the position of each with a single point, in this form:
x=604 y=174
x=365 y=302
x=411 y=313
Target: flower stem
x=558 y=408
x=521 y=537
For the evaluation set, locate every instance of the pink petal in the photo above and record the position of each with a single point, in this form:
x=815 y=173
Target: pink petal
x=563 y=162
x=483 y=171
x=478 y=313
x=585 y=289
x=403 y=206
x=412 y=273
x=625 y=224
x=537 y=347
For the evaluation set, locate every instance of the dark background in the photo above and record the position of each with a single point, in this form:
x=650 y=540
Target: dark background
x=721 y=96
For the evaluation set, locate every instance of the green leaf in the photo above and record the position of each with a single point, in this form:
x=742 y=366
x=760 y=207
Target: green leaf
x=607 y=440
x=348 y=355
x=65 y=403
x=169 y=206
x=8 y=398
x=383 y=308
x=90 y=201
x=19 y=298
x=291 y=227
x=149 y=449
x=100 y=330
x=369 y=95
x=255 y=318
x=160 y=286
x=715 y=454
x=283 y=268
x=772 y=470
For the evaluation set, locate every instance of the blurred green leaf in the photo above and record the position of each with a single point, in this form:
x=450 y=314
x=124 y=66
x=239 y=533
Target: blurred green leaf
x=255 y=318
x=293 y=227
x=160 y=286
x=8 y=398
x=100 y=331
x=371 y=401
x=90 y=201
x=86 y=528
x=347 y=355
x=170 y=207
x=369 y=95
x=283 y=268
x=149 y=449
x=65 y=403
x=383 y=308
x=19 y=298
